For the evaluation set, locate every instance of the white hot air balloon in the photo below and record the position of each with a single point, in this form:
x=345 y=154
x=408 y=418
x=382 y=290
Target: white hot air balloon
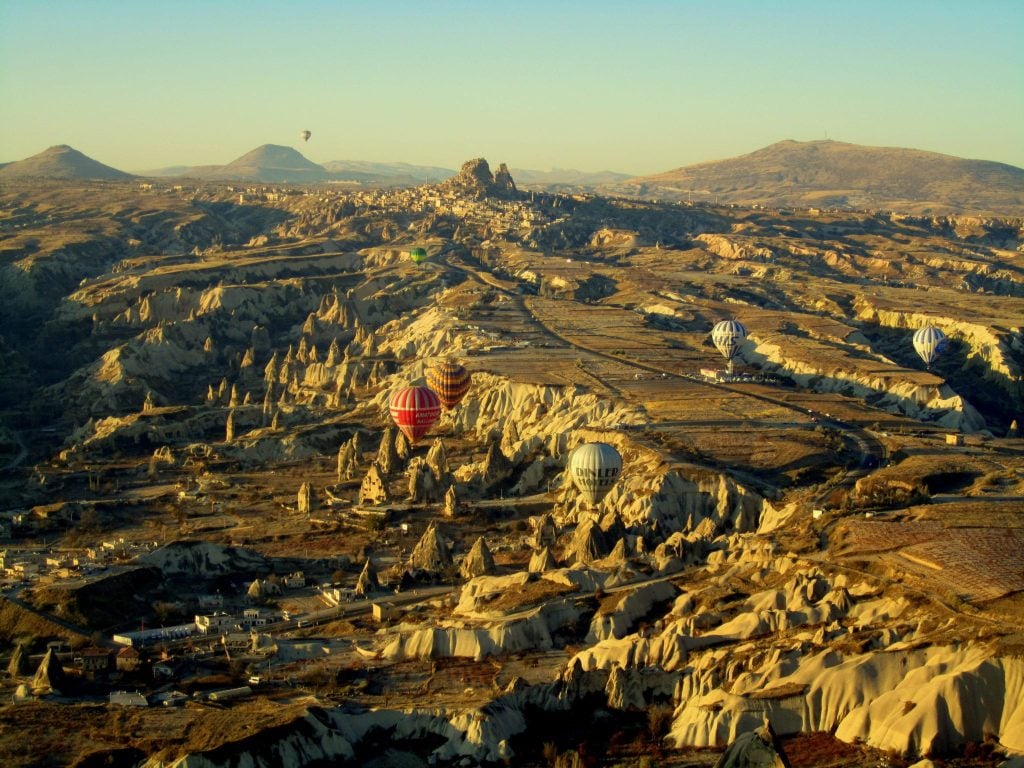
x=304 y=135
x=929 y=343
x=728 y=336
x=594 y=468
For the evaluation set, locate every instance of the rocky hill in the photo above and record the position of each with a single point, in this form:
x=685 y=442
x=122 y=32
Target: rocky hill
x=271 y=163
x=475 y=179
x=61 y=162
x=836 y=174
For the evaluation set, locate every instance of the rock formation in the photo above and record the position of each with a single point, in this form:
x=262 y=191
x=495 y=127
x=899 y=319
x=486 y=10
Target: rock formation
x=431 y=551
x=496 y=468
x=542 y=560
x=451 y=502
x=422 y=486
x=305 y=498
x=587 y=544
x=437 y=459
x=754 y=749
x=49 y=676
x=545 y=532
x=387 y=456
x=374 y=488
x=625 y=691
x=402 y=447
x=475 y=179
x=478 y=562
x=18 y=665
x=367 y=582
x=256 y=592
x=347 y=461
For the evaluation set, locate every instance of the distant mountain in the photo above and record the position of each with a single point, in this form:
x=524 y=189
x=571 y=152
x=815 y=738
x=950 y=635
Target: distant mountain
x=179 y=170
x=837 y=174
x=61 y=162
x=566 y=177
x=415 y=174
x=269 y=163
x=275 y=164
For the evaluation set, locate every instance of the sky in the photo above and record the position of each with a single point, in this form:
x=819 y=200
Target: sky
x=636 y=87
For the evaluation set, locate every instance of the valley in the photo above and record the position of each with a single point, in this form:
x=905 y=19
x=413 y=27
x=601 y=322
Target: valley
x=198 y=464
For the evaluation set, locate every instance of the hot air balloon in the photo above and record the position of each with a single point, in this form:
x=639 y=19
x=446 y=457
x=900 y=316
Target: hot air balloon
x=304 y=135
x=417 y=255
x=728 y=337
x=929 y=343
x=450 y=381
x=594 y=468
x=415 y=409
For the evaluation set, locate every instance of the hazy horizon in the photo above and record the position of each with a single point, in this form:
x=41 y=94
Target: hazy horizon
x=638 y=89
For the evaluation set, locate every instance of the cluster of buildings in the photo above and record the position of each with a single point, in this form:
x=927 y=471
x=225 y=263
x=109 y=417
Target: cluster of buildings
x=45 y=567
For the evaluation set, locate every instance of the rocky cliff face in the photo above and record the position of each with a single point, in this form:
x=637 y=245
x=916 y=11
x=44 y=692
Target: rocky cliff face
x=476 y=180
x=998 y=350
x=888 y=390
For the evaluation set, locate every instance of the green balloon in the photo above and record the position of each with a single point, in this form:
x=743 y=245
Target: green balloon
x=418 y=255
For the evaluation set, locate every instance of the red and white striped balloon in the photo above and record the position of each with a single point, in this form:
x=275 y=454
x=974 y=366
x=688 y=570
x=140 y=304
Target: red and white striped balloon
x=415 y=410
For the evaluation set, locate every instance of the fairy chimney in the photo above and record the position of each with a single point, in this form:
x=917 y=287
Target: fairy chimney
x=479 y=561
x=431 y=551
x=374 y=489
x=451 y=502
x=367 y=582
x=305 y=499
x=387 y=457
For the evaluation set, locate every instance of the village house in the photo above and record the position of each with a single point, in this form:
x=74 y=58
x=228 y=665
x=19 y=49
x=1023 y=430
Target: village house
x=333 y=595
x=23 y=569
x=236 y=641
x=144 y=637
x=253 y=617
x=215 y=623
x=94 y=661
x=385 y=612
x=128 y=659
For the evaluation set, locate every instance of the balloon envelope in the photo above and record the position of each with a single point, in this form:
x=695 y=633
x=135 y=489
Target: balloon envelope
x=728 y=336
x=414 y=410
x=450 y=381
x=929 y=343
x=304 y=135
x=418 y=255
x=594 y=468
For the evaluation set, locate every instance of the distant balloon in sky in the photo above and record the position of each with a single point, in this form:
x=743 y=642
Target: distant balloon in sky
x=450 y=381
x=304 y=135
x=594 y=468
x=415 y=409
x=929 y=343
x=418 y=255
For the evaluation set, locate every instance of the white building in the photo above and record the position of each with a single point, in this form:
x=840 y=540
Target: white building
x=215 y=623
